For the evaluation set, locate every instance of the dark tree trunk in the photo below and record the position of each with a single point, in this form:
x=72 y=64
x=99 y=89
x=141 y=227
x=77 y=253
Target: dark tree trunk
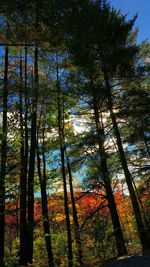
x=45 y=216
x=74 y=210
x=145 y=242
x=66 y=207
x=120 y=243
x=32 y=161
x=3 y=159
x=17 y=216
x=31 y=189
x=144 y=215
x=23 y=183
x=62 y=153
x=26 y=115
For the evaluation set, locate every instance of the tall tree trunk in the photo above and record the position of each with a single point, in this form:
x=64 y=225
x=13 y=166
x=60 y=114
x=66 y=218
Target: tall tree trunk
x=74 y=210
x=62 y=153
x=3 y=159
x=66 y=207
x=26 y=115
x=120 y=243
x=45 y=216
x=23 y=182
x=32 y=160
x=145 y=242
x=144 y=215
x=17 y=215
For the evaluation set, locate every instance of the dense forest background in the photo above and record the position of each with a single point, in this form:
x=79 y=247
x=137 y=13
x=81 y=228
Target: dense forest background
x=74 y=128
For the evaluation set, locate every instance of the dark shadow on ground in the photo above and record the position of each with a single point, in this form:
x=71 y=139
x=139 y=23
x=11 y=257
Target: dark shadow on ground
x=129 y=261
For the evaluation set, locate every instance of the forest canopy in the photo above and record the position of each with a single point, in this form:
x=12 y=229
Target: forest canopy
x=74 y=128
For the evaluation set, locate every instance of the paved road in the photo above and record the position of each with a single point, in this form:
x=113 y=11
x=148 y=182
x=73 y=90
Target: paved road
x=129 y=261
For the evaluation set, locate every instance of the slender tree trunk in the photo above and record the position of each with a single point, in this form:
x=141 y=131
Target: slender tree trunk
x=66 y=208
x=120 y=243
x=45 y=216
x=74 y=210
x=62 y=153
x=31 y=189
x=3 y=159
x=17 y=216
x=144 y=215
x=26 y=116
x=23 y=182
x=32 y=161
x=145 y=242
x=26 y=152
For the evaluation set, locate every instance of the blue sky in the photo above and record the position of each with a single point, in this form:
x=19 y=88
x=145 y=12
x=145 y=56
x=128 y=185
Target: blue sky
x=131 y=7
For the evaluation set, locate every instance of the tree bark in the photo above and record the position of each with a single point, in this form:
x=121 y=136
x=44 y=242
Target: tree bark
x=145 y=242
x=23 y=183
x=62 y=153
x=3 y=159
x=17 y=215
x=74 y=210
x=32 y=161
x=45 y=216
x=26 y=115
x=120 y=243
